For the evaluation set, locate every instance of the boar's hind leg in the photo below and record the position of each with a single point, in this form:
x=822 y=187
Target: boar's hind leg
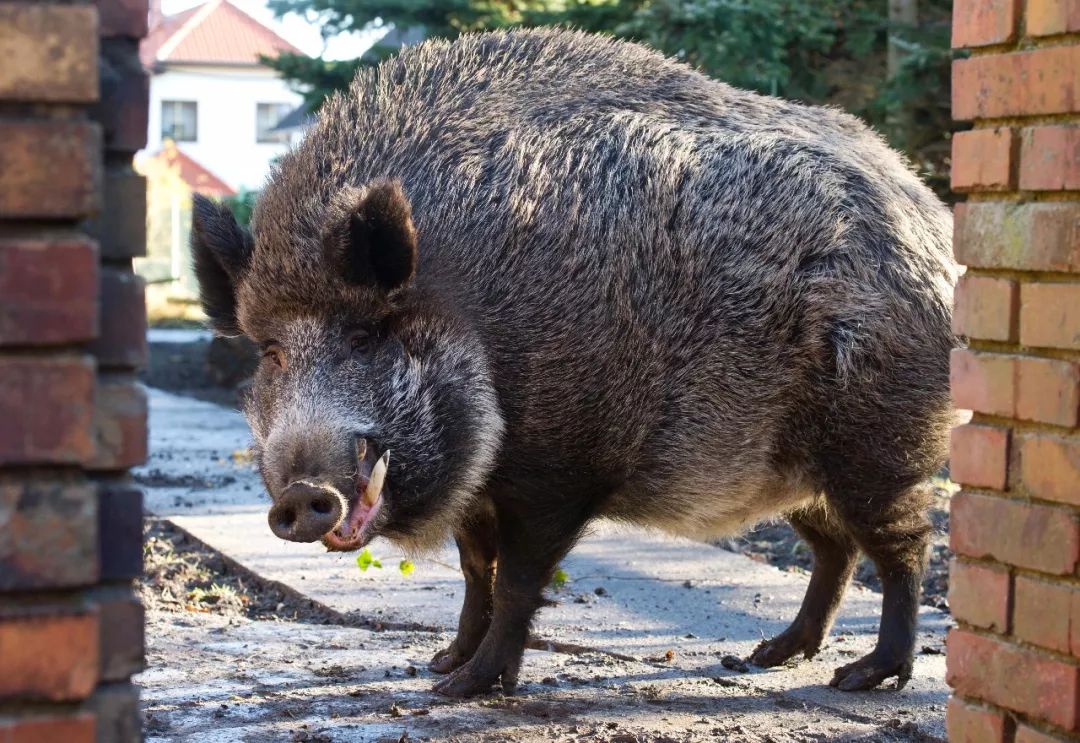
x=477 y=546
x=834 y=562
x=893 y=531
x=530 y=546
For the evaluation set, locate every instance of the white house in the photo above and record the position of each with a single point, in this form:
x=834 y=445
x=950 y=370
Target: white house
x=210 y=95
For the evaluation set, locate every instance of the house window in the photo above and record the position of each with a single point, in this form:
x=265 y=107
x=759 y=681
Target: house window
x=267 y=116
x=179 y=121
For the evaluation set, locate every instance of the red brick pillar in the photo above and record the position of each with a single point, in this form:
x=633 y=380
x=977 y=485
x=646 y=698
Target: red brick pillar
x=73 y=102
x=1014 y=660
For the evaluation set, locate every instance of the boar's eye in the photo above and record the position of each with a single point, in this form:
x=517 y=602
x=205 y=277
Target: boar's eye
x=273 y=352
x=360 y=343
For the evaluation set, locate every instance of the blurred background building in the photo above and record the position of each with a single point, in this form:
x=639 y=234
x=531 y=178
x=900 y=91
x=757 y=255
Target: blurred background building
x=214 y=109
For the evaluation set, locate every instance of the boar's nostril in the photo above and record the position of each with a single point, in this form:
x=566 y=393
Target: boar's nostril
x=282 y=518
x=285 y=517
x=322 y=505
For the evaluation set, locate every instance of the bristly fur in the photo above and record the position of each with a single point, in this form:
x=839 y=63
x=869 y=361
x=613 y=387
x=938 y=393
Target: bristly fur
x=635 y=293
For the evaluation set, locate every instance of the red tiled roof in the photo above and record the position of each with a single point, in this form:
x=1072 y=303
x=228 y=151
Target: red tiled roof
x=214 y=33
x=197 y=177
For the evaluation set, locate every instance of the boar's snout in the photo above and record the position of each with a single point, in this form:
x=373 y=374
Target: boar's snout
x=305 y=512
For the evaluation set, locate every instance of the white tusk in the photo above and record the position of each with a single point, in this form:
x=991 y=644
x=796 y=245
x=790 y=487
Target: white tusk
x=378 y=476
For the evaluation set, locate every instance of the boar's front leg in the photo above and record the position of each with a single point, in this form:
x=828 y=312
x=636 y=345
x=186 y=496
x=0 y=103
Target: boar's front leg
x=477 y=545
x=530 y=545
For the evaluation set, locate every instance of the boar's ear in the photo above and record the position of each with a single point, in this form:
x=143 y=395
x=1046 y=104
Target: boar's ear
x=371 y=236
x=220 y=250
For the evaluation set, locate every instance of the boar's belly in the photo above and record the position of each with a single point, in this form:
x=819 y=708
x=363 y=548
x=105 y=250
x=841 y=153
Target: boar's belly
x=707 y=509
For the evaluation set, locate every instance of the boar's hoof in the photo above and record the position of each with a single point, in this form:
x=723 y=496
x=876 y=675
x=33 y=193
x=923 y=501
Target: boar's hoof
x=472 y=679
x=869 y=671
x=447 y=660
x=783 y=647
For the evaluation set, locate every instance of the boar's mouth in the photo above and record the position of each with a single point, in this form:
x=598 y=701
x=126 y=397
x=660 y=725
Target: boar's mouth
x=362 y=511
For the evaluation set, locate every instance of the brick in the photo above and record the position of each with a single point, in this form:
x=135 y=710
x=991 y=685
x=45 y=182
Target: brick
x=120 y=227
x=1027 y=535
x=116 y=707
x=983 y=22
x=53 y=657
x=122 y=18
x=1040 y=236
x=48 y=291
x=979 y=595
x=120 y=512
x=1043 y=614
x=980 y=456
x=48 y=52
x=986 y=308
x=1025 y=734
x=1048 y=390
x=1040 y=81
x=983 y=382
x=46 y=409
x=122 y=340
x=1048 y=17
x=1050 y=315
x=50 y=533
x=52 y=169
x=119 y=425
x=966 y=723
x=982 y=159
x=121 y=640
x=1050 y=467
x=52 y=729
x=125 y=97
x=1024 y=680
x=1050 y=158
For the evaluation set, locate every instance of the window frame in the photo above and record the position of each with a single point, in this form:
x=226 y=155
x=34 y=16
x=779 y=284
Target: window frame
x=171 y=134
x=270 y=136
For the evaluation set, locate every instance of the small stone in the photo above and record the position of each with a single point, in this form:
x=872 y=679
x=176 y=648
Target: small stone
x=733 y=663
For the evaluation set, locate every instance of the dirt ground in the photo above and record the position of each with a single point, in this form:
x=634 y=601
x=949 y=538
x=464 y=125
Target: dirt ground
x=233 y=657
x=181 y=574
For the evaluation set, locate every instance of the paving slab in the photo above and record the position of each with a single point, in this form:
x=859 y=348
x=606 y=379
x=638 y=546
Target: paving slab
x=659 y=594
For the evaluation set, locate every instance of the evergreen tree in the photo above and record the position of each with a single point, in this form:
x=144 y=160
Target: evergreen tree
x=850 y=53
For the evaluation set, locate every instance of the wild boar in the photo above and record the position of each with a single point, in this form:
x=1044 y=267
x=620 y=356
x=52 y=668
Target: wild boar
x=519 y=281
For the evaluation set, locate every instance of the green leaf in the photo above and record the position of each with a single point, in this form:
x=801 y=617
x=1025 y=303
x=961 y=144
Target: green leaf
x=558 y=580
x=366 y=560
x=406 y=567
